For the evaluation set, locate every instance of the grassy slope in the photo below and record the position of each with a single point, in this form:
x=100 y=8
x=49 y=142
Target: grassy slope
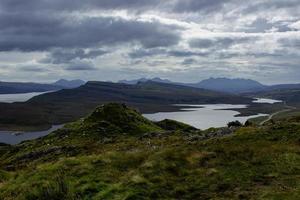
x=95 y=159
x=69 y=105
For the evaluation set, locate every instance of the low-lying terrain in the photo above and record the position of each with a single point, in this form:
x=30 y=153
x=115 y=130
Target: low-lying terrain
x=71 y=104
x=115 y=153
x=289 y=94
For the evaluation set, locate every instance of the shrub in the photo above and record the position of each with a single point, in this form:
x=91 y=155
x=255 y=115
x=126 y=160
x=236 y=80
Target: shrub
x=234 y=124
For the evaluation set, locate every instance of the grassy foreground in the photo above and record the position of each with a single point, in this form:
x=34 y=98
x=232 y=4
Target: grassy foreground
x=115 y=153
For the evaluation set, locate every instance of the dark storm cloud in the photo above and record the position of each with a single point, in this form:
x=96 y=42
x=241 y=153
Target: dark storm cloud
x=39 y=32
x=60 y=56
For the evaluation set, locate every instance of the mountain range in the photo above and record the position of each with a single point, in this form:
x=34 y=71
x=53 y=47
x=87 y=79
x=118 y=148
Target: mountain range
x=237 y=86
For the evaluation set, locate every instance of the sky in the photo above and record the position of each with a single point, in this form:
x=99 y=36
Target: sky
x=182 y=40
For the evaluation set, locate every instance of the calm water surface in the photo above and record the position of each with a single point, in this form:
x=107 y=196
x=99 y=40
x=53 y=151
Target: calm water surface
x=11 y=98
x=209 y=115
x=204 y=116
x=10 y=137
x=270 y=101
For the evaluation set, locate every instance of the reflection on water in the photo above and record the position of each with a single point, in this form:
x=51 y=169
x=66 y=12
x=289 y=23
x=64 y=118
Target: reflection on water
x=204 y=116
x=10 y=137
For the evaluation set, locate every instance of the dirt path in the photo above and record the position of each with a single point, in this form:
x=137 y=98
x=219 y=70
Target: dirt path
x=289 y=108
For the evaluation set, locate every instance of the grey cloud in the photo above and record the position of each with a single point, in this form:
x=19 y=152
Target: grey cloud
x=199 y=5
x=64 y=31
x=80 y=66
x=189 y=61
x=60 y=56
x=290 y=43
x=71 y=5
x=261 y=25
x=274 y=4
x=140 y=53
x=32 y=68
x=219 y=43
x=132 y=5
x=40 y=33
x=185 y=53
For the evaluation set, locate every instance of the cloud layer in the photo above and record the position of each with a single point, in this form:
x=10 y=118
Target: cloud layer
x=181 y=40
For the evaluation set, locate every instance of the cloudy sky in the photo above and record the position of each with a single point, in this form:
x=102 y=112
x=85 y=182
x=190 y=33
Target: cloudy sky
x=183 y=40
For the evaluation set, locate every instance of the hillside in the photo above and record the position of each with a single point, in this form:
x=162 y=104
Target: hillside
x=98 y=158
x=216 y=84
x=238 y=85
x=71 y=104
x=27 y=87
x=18 y=87
x=229 y=85
x=290 y=95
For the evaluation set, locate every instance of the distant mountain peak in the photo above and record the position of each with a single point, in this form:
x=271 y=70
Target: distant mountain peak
x=235 y=85
x=69 y=83
x=221 y=84
x=141 y=80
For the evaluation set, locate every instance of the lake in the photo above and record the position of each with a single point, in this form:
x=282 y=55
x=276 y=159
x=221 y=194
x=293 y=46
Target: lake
x=199 y=116
x=10 y=137
x=209 y=115
x=204 y=116
x=11 y=98
x=270 y=101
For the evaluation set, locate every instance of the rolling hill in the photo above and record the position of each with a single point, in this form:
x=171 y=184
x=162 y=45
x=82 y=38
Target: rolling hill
x=229 y=85
x=216 y=84
x=290 y=95
x=236 y=86
x=70 y=104
x=115 y=153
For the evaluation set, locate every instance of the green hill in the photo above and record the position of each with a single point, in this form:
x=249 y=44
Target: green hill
x=115 y=153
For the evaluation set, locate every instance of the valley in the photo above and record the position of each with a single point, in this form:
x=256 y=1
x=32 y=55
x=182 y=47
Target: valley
x=111 y=151
x=115 y=153
x=68 y=105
